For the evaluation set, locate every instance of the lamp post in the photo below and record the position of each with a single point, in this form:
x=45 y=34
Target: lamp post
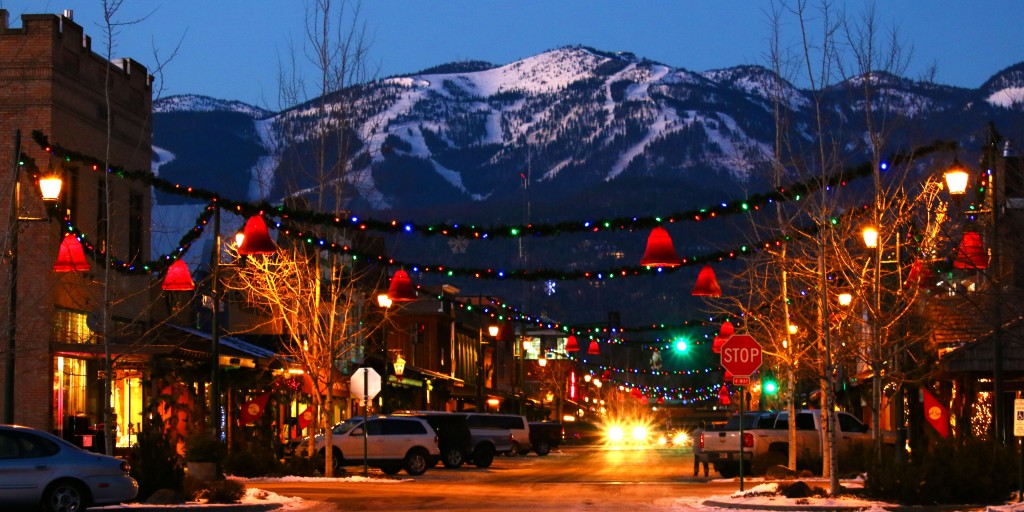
x=385 y=302
x=493 y=331
x=50 y=191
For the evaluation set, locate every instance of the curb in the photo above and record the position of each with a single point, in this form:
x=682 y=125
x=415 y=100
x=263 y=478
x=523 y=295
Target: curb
x=213 y=507
x=838 y=508
x=805 y=508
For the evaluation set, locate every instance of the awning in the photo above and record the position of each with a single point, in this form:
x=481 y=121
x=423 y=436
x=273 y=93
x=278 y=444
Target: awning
x=172 y=341
x=432 y=374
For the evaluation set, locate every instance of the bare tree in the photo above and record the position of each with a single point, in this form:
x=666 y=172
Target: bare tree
x=323 y=319
x=790 y=299
x=320 y=298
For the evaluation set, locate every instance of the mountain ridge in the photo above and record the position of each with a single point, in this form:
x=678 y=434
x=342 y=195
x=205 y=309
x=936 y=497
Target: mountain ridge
x=572 y=133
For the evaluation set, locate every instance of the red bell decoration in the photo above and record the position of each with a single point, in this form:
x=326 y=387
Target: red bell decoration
x=594 y=349
x=707 y=284
x=723 y=396
x=178 y=278
x=571 y=345
x=256 y=238
x=71 y=256
x=723 y=334
x=914 y=275
x=971 y=253
x=401 y=289
x=659 y=252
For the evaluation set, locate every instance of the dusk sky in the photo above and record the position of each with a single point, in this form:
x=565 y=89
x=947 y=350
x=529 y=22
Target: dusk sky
x=231 y=49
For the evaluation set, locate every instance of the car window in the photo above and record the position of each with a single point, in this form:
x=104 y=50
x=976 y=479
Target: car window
x=749 y=421
x=782 y=422
x=848 y=423
x=21 y=445
x=9 y=448
x=347 y=426
x=396 y=427
x=804 y=421
x=375 y=427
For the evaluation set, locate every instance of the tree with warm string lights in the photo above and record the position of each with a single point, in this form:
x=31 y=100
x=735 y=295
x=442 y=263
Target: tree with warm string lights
x=787 y=293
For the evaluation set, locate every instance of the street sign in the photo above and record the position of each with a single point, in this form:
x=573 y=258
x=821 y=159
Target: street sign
x=741 y=381
x=370 y=377
x=741 y=356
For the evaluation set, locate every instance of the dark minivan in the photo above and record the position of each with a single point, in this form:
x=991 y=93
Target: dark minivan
x=453 y=435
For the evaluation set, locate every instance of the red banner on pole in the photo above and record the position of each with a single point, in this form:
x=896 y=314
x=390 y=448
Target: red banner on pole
x=305 y=418
x=254 y=408
x=936 y=413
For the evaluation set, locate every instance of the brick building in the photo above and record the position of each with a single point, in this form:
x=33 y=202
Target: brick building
x=51 y=81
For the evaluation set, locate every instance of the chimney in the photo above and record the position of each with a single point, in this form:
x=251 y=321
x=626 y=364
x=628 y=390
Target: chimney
x=4 y=19
x=69 y=14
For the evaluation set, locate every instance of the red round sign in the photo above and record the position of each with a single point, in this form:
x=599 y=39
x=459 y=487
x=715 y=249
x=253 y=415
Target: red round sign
x=741 y=355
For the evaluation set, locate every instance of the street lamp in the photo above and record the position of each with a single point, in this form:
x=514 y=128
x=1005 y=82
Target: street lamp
x=50 y=191
x=384 y=302
x=493 y=331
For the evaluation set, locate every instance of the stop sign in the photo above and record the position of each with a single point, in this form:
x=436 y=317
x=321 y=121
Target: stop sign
x=741 y=355
x=372 y=379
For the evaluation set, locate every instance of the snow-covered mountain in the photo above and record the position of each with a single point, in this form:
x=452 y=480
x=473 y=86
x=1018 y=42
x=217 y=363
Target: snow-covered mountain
x=573 y=118
x=567 y=134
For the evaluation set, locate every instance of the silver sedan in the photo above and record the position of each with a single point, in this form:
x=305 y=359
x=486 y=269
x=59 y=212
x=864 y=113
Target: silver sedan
x=40 y=469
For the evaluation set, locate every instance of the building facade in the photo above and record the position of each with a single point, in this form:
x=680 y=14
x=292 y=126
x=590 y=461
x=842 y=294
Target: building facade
x=55 y=88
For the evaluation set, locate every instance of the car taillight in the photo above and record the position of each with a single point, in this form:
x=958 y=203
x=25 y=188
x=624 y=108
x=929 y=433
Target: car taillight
x=702 y=439
x=748 y=440
x=435 y=439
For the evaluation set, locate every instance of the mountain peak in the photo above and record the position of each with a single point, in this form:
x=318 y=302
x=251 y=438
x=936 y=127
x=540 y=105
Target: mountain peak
x=200 y=103
x=1005 y=88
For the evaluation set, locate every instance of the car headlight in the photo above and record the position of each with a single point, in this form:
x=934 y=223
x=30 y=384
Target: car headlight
x=638 y=433
x=680 y=439
x=615 y=434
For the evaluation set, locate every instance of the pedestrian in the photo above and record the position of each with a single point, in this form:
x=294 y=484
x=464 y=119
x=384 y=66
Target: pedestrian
x=699 y=456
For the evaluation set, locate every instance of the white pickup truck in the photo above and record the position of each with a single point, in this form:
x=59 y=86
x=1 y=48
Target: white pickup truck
x=766 y=441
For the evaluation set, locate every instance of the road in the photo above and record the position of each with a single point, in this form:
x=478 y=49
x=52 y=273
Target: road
x=571 y=478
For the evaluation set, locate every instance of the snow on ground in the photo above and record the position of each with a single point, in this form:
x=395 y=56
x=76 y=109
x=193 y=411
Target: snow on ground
x=760 y=494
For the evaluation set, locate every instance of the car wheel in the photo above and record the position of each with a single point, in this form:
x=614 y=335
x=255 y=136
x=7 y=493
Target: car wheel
x=65 y=496
x=727 y=470
x=416 y=462
x=515 y=451
x=543 y=448
x=391 y=469
x=336 y=458
x=483 y=456
x=453 y=458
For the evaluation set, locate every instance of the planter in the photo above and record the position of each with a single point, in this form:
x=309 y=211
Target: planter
x=202 y=471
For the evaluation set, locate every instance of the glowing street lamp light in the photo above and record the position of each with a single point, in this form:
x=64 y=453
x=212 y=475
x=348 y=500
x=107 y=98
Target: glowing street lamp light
x=956 y=178
x=870 y=237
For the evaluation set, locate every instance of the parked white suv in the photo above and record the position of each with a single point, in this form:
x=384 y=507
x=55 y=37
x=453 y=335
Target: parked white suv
x=515 y=423
x=392 y=443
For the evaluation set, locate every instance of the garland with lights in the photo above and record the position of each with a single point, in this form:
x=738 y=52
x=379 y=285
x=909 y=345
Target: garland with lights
x=754 y=202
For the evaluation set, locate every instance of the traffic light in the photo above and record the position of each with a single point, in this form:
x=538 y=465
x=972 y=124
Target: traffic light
x=681 y=345
x=769 y=386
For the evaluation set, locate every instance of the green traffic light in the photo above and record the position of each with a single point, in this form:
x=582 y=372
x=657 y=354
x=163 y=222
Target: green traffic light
x=770 y=387
x=681 y=345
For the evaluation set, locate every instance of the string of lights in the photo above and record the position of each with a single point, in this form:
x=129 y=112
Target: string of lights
x=792 y=192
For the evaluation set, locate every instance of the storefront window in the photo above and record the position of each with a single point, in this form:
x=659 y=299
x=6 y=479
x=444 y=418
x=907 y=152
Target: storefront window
x=71 y=327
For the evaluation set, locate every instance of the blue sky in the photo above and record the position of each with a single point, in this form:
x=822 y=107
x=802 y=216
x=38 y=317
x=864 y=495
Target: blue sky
x=230 y=49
